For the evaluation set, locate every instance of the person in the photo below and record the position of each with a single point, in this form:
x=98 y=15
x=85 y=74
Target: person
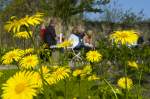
x=76 y=37
x=42 y=31
x=87 y=40
x=50 y=35
x=140 y=40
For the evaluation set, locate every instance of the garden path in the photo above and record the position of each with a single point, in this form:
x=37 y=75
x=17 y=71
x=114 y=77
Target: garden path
x=5 y=67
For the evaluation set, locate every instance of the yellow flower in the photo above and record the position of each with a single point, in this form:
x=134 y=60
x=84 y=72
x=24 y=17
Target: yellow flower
x=38 y=79
x=59 y=74
x=125 y=82
x=15 y=24
x=77 y=72
x=93 y=77
x=124 y=37
x=23 y=34
x=65 y=44
x=29 y=62
x=11 y=56
x=133 y=64
x=93 y=56
x=87 y=69
x=82 y=73
x=45 y=74
x=21 y=86
x=28 y=51
x=45 y=70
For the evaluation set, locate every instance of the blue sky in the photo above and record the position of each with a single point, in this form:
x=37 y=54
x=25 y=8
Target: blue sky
x=135 y=5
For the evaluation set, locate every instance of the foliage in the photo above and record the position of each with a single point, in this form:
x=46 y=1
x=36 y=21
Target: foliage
x=115 y=13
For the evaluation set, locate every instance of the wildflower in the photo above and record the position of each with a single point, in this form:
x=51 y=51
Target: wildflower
x=87 y=69
x=125 y=83
x=15 y=24
x=93 y=56
x=45 y=74
x=45 y=70
x=82 y=73
x=29 y=61
x=11 y=56
x=133 y=64
x=23 y=34
x=59 y=74
x=93 y=77
x=21 y=86
x=77 y=72
x=65 y=44
x=28 y=51
x=124 y=37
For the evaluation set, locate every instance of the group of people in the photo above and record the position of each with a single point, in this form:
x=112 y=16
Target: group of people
x=78 y=37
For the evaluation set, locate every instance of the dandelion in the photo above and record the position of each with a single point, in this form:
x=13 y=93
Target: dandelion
x=21 y=86
x=87 y=69
x=65 y=44
x=133 y=64
x=82 y=73
x=59 y=74
x=125 y=82
x=93 y=56
x=23 y=34
x=29 y=62
x=124 y=37
x=93 y=77
x=28 y=51
x=38 y=78
x=45 y=70
x=77 y=72
x=11 y=56
x=15 y=24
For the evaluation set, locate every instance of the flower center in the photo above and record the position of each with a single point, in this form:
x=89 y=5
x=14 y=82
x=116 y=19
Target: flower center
x=93 y=55
x=29 y=61
x=12 y=55
x=20 y=88
x=123 y=35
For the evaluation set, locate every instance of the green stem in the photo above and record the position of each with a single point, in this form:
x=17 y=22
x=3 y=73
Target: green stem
x=126 y=90
x=43 y=82
x=65 y=89
x=111 y=88
x=139 y=82
x=32 y=40
x=79 y=89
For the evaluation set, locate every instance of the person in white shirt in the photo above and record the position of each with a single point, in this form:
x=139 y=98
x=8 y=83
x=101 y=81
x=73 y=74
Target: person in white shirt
x=77 y=40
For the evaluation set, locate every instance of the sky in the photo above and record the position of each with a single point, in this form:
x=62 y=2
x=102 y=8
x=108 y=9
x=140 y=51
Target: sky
x=135 y=5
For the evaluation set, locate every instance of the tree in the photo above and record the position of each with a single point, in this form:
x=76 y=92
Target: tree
x=115 y=13
x=63 y=9
x=131 y=17
x=112 y=13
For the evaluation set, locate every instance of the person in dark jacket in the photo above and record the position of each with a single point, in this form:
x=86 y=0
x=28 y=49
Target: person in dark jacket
x=50 y=34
